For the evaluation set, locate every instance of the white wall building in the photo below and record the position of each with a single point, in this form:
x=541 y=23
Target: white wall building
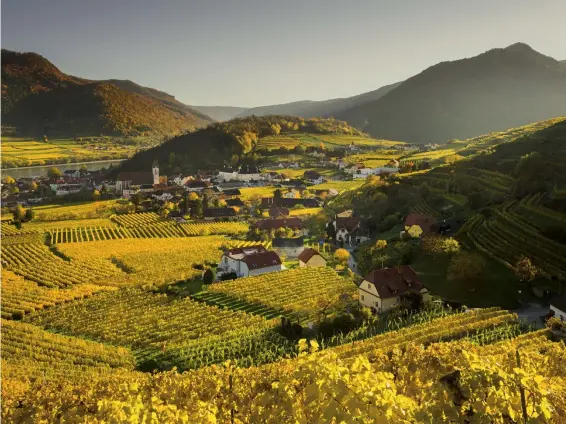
x=249 y=261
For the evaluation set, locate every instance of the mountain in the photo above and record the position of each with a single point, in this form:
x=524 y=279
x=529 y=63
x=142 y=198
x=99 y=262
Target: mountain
x=220 y=142
x=38 y=99
x=498 y=89
x=221 y=113
x=310 y=108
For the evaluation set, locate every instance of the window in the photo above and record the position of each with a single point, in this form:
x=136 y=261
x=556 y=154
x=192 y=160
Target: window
x=363 y=297
x=369 y=286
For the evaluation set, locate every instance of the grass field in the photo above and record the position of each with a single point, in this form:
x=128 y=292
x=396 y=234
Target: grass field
x=339 y=185
x=248 y=192
x=26 y=152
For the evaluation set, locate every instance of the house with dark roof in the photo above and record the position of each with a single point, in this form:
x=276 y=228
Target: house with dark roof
x=558 y=307
x=277 y=212
x=382 y=289
x=348 y=229
x=249 y=261
x=237 y=202
x=311 y=258
x=212 y=214
x=417 y=225
x=232 y=192
x=196 y=185
x=288 y=246
x=275 y=224
x=313 y=177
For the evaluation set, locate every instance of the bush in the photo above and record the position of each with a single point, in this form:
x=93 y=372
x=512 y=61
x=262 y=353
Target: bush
x=228 y=276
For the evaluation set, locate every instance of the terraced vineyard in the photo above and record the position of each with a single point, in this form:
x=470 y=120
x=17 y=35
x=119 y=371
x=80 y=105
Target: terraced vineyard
x=180 y=333
x=36 y=262
x=451 y=327
x=21 y=296
x=296 y=290
x=137 y=219
x=506 y=238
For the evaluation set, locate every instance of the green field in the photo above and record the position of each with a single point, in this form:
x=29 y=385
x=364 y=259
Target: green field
x=26 y=152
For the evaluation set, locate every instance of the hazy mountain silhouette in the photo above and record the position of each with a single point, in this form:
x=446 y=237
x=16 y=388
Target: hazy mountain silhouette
x=496 y=90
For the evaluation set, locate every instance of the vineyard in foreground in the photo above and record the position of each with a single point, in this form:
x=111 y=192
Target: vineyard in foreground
x=456 y=381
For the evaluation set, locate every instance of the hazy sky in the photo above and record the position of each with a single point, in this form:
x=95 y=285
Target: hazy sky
x=256 y=52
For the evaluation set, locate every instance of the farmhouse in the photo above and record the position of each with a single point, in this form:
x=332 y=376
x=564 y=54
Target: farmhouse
x=558 y=307
x=311 y=258
x=313 y=177
x=364 y=172
x=382 y=289
x=212 y=214
x=291 y=247
x=249 y=261
x=196 y=185
x=417 y=225
x=344 y=226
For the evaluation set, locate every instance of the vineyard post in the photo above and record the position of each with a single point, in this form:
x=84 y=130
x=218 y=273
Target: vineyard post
x=522 y=390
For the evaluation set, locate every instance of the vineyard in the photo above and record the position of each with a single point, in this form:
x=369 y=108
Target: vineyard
x=150 y=261
x=180 y=333
x=21 y=296
x=37 y=263
x=349 y=384
x=297 y=290
x=133 y=226
x=506 y=237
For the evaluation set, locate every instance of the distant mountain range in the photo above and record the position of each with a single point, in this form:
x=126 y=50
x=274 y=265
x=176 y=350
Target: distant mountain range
x=496 y=90
x=38 y=99
x=499 y=89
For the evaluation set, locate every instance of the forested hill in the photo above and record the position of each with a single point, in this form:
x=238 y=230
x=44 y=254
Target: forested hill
x=38 y=99
x=219 y=142
x=499 y=89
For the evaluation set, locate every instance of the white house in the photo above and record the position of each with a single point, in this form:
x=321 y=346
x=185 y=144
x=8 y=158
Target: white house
x=65 y=189
x=247 y=174
x=165 y=196
x=558 y=307
x=249 y=261
x=344 y=226
x=382 y=289
x=365 y=172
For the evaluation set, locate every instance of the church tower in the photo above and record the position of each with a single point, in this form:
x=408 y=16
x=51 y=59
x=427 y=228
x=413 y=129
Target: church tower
x=155 y=170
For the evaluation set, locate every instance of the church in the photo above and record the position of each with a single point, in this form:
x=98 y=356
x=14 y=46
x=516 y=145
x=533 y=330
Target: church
x=128 y=183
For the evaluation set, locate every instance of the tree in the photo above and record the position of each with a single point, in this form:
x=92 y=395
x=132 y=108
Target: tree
x=33 y=186
x=306 y=194
x=9 y=180
x=30 y=214
x=209 y=276
x=380 y=244
x=342 y=256
x=466 y=269
x=197 y=209
x=277 y=193
x=83 y=170
x=96 y=195
x=331 y=231
x=525 y=270
x=54 y=173
x=171 y=158
x=18 y=213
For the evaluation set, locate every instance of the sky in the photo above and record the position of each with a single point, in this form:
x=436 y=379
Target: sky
x=258 y=52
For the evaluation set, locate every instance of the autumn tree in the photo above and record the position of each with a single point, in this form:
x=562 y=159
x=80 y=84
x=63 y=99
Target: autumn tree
x=9 y=180
x=380 y=245
x=209 y=276
x=342 y=256
x=18 y=213
x=466 y=269
x=54 y=173
x=525 y=270
x=96 y=195
x=29 y=215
